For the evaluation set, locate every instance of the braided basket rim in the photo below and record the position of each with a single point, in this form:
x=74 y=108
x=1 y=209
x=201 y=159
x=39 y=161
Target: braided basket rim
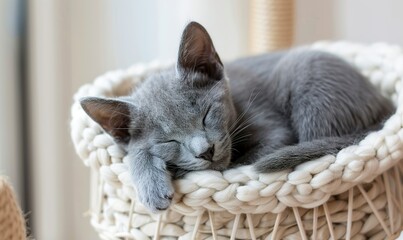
x=241 y=190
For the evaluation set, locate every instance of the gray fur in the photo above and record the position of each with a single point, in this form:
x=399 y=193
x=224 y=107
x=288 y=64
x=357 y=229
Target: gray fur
x=277 y=111
x=318 y=103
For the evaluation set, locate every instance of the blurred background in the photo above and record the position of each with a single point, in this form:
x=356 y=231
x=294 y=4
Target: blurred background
x=50 y=48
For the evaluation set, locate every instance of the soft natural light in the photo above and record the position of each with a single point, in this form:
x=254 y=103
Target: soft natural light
x=49 y=50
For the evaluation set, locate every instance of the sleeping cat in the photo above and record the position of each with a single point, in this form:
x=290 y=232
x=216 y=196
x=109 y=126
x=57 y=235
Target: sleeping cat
x=274 y=111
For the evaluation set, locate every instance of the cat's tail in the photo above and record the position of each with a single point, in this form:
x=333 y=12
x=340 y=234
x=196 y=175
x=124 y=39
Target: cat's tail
x=291 y=156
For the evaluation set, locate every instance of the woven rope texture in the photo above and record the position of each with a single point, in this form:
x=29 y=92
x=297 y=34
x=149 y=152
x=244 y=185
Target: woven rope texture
x=355 y=194
x=12 y=222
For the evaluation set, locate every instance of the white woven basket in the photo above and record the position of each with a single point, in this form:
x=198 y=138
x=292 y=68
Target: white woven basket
x=356 y=194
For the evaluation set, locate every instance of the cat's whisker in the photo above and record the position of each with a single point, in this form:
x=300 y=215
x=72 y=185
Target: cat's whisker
x=241 y=137
x=228 y=146
x=234 y=149
x=239 y=141
x=234 y=124
x=240 y=116
x=240 y=125
x=243 y=125
x=250 y=102
x=235 y=143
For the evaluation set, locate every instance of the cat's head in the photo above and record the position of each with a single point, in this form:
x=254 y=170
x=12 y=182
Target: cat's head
x=183 y=115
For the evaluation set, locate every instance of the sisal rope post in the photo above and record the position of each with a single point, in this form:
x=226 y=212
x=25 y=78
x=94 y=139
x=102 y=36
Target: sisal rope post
x=271 y=25
x=12 y=222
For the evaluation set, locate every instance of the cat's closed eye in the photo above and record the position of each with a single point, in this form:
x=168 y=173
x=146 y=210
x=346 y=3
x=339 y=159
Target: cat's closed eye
x=169 y=141
x=164 y=142
x=166 y=150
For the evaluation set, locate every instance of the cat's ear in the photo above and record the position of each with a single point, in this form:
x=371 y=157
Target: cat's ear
x=112 y=115
x=197 y=53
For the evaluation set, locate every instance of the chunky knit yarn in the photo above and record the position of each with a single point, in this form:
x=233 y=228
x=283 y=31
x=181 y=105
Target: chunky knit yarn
x=355 y=194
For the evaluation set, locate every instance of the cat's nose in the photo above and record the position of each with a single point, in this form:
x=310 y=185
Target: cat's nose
x=208 y=154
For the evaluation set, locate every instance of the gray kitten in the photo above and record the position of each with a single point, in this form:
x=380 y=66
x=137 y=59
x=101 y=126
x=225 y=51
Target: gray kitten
x=277 y=111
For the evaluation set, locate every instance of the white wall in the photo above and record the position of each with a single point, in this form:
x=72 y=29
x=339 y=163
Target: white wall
x=358 y=20
x=117 y=34
x=369 y=21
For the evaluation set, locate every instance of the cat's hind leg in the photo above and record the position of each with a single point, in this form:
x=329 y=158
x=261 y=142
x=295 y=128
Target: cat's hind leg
x=325 y=96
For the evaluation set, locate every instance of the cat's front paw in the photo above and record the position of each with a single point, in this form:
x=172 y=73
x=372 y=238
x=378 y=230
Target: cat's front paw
x=156 y=196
